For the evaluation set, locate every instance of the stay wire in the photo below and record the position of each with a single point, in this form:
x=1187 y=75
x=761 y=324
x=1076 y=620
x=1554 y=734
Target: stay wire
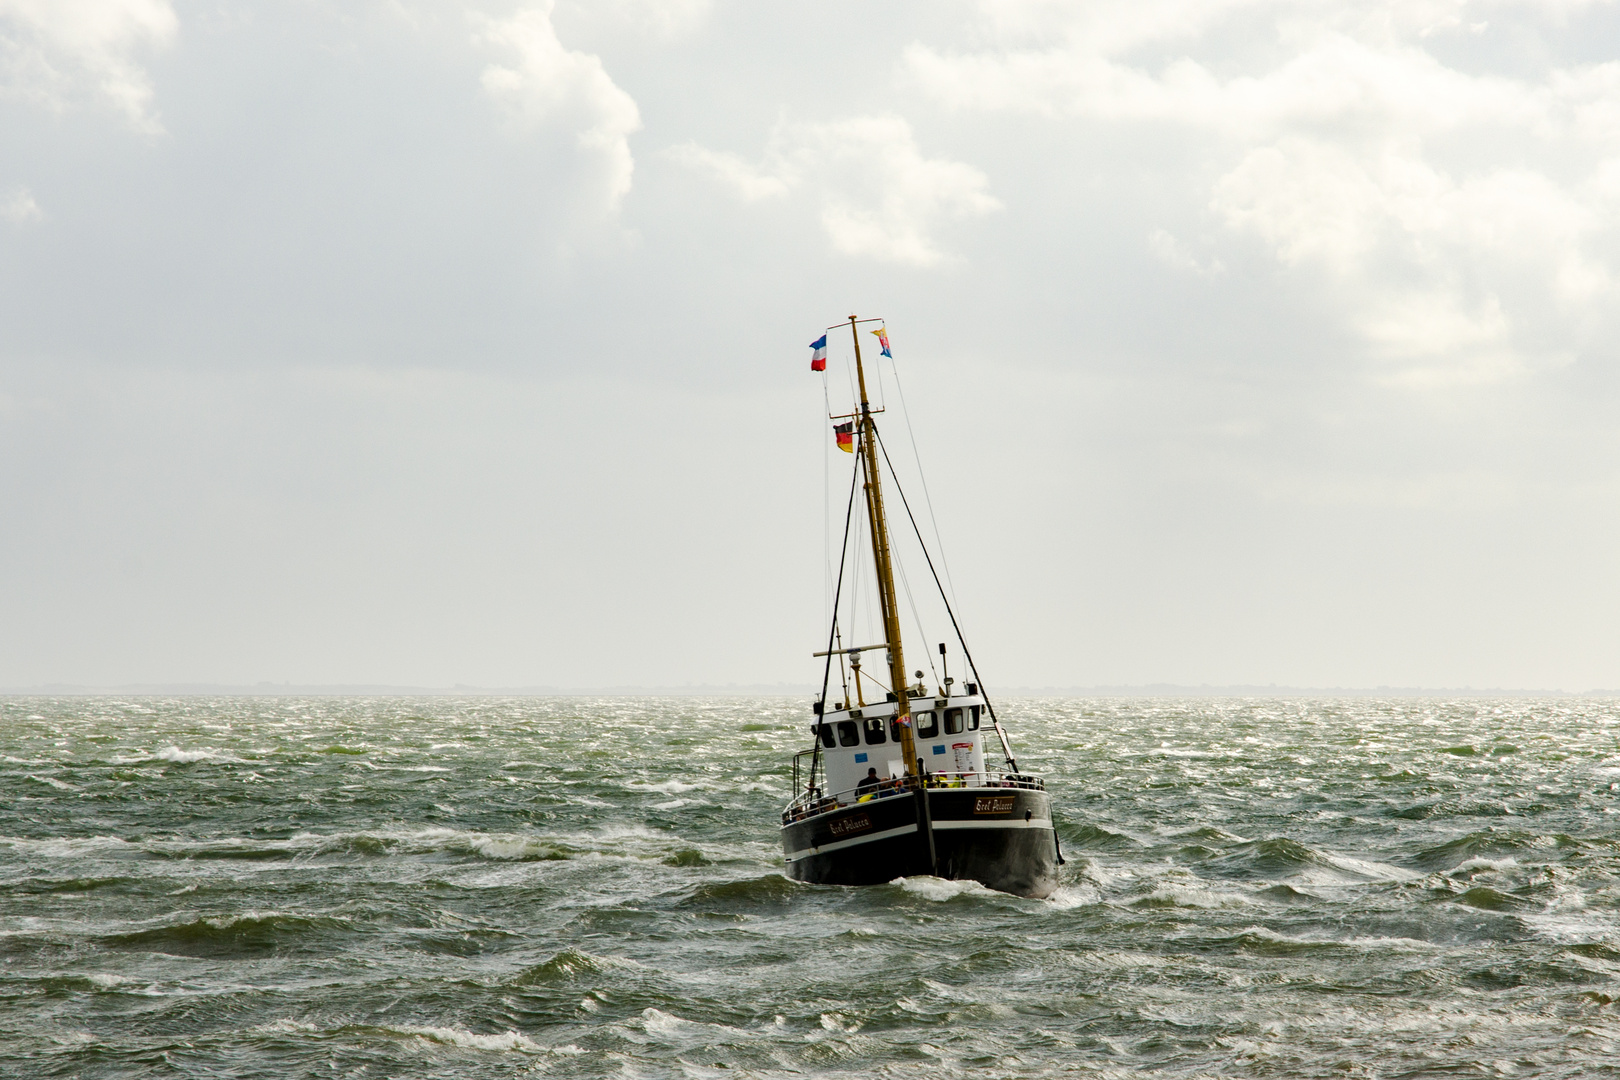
x=905 y=585
x=928 y=499
x=826 y=505
x=954 y=624
x=832 y=634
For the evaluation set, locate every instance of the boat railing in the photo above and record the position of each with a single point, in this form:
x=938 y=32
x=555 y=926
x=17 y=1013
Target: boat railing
x=813 y=802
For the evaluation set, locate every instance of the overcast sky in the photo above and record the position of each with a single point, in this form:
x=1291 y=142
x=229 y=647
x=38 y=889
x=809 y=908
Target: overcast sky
x=420 y=342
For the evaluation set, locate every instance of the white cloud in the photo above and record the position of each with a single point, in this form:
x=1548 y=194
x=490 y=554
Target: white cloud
x=665 y=19
x=1172 y=252
x=548 y=83
x=1419 y=258
x=1339 y=133
x=19 y=207
x=878 y=195
x=55 y=51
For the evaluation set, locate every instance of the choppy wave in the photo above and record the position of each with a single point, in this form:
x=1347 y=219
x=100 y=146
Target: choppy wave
x=581 y=888
x=229 y=935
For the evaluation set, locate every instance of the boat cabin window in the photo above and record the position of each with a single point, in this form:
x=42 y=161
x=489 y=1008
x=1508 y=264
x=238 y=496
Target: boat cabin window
x=874 y=731
x=927 y=725
x=973 y=718
x=849 y=733
x=894 y=730
x=827 y=739
x=953 y=721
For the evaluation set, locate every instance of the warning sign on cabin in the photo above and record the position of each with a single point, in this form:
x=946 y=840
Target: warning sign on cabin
x=993 y=804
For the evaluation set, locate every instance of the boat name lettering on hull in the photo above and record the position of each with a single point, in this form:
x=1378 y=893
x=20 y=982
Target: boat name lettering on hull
x=853 y=824
x=993 y=804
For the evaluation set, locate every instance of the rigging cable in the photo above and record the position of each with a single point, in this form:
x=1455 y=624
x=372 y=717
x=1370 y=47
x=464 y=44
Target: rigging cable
x=826 y=507
x=832 y=635
x=1005 y=746
x=928 y=500
x=858 y=582
x=905 y=584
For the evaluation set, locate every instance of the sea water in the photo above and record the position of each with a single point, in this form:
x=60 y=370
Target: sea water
x=285 y=887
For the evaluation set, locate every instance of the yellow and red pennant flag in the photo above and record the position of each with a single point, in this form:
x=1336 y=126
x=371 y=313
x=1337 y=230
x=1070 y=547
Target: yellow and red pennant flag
x=882 y=334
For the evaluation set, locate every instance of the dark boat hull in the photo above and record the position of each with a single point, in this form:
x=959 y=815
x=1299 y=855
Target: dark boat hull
x=999 y=837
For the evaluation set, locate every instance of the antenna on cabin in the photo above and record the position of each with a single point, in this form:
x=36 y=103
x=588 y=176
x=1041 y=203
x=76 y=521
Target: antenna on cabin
x=946 y=665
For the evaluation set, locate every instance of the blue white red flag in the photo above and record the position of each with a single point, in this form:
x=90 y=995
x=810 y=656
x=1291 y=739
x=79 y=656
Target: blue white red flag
x=818 y=359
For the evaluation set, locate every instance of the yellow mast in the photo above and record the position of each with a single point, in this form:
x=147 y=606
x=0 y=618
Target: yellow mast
x=885 y=565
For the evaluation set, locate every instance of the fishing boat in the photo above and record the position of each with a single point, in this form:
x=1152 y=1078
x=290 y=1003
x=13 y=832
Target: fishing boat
x=897 y=781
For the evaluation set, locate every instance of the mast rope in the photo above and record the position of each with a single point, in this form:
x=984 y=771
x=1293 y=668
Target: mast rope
x=947 y=602
x=905 y=585
x=928 y=499
x=832 y=634
x=826 y=507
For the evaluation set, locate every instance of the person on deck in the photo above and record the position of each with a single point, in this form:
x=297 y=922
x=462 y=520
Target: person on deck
x=870 y=784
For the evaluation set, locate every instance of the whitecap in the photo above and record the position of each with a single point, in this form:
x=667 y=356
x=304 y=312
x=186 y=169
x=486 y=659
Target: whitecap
x=833 y=1021
x=662 y=1025
x=456 y=1036
x=68 y=847
x=1477 y=864
x=513 y=847
x=668 y=787
x=1369 y=869
x=1193 y=897
x=179 y=757
x=933 y=888
x=1071 y=896
x=286 y=1025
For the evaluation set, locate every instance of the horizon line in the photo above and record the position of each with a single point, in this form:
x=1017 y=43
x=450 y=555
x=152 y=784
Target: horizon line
x=265 y=688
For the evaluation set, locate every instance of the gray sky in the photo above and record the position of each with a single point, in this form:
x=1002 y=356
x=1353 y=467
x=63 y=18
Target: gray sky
x=425 y=342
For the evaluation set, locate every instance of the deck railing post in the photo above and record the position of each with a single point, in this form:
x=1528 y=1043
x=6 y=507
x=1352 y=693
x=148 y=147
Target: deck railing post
x=925 y=817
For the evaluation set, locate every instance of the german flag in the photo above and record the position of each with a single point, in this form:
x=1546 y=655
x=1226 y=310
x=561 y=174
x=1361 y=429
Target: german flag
x=846 y=436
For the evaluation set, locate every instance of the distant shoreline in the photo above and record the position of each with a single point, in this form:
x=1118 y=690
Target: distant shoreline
x=1149 y=690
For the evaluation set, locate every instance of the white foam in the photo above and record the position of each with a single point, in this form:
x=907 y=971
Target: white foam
x=933 y=888
x=179 y=757
x=1196 y=897
x=287 y=1025
x=832 y=1021
x=1374 y=871
x=667 y=787
x=1486 y=864
x=1070 y=896
x=662 y=1025
x=52 y=782
x=512 y=847
x=67 y=847
x=455 y=1036
x=72 y=1038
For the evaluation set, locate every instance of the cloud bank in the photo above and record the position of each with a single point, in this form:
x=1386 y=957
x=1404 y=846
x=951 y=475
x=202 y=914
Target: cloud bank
x=878 y=195
x=56 y=53
x=1462 y=219
x=545 y=82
